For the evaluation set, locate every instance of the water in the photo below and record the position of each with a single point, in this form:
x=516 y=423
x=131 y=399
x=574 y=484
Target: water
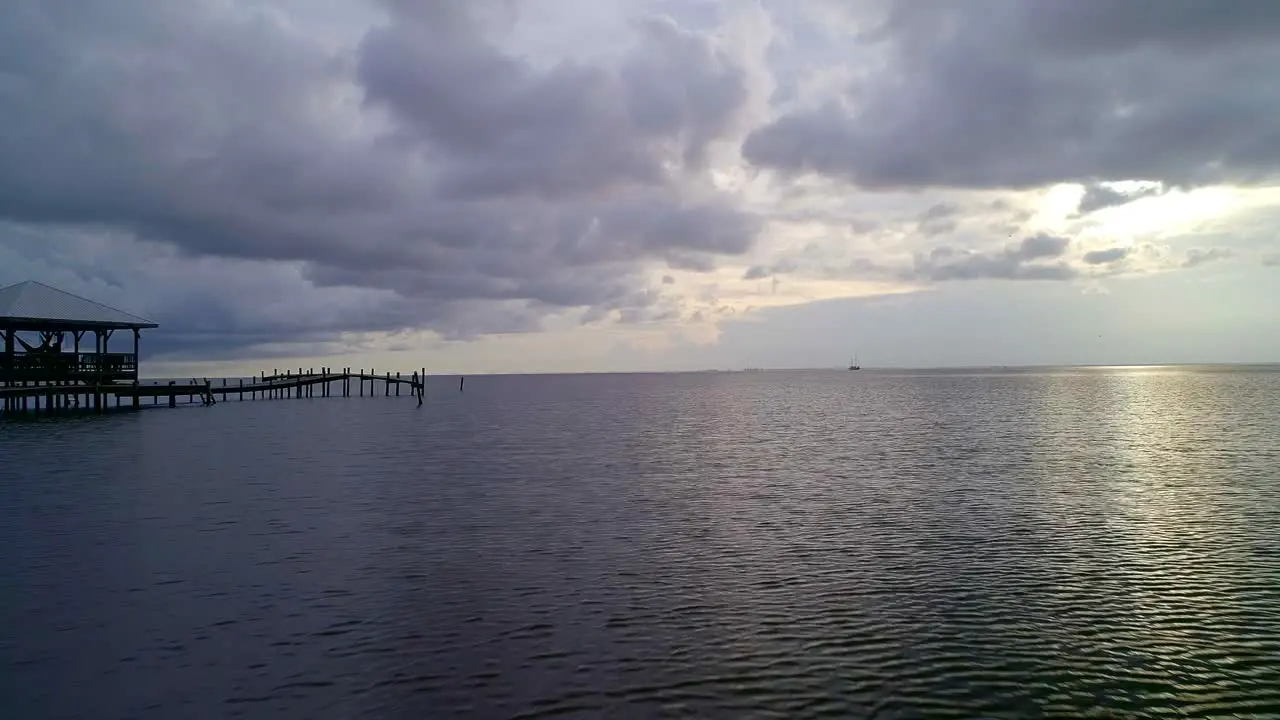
x=826 y=544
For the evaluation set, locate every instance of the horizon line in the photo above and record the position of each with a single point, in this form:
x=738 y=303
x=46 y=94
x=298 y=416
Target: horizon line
x=832 y=368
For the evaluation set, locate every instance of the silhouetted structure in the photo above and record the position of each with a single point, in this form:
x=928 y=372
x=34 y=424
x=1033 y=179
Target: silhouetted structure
x=46 y=370
x=45 y=377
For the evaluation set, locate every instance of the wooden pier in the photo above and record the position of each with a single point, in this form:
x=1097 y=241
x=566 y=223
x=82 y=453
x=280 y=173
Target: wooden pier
x=58 y=398
x=45 y=379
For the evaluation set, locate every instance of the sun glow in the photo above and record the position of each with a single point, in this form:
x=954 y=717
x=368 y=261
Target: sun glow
x=1174 y=212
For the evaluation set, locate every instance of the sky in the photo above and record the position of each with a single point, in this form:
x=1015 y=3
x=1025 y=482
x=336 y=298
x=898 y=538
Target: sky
x=481 y=186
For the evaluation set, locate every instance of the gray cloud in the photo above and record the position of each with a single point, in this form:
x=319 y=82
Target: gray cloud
x=1105 y=257
x=465 y=188
x=1100 y=197
x=938 y=219
x=1015 y=262
x=782 y=266
x=1015 y=94
x=1201 y=256
x=1272 y=260
x=862 y=226
x=508 y=130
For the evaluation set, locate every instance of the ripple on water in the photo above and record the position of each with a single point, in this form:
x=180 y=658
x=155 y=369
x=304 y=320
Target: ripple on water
x=791 y=545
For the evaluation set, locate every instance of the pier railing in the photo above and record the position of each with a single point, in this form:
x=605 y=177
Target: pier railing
x=39 y=366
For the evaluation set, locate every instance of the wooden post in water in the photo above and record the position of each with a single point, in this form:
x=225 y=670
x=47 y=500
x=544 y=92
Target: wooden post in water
x=397 y=384
x=386 y=386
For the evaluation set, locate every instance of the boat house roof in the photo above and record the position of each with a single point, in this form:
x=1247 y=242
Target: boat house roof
x=35 y=306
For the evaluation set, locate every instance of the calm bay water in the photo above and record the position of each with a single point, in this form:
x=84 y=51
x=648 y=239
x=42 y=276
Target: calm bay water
x=1069 y=543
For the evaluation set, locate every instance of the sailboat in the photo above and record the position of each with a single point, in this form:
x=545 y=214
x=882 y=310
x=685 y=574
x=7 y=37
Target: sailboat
x=853 y=365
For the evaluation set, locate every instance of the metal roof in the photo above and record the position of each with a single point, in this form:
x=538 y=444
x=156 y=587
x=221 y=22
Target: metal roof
x=33 y=303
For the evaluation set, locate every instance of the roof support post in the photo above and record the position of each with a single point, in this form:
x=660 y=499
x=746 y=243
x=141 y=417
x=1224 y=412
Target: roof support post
x=100 y=349
x=137 y=335
x=8 y=355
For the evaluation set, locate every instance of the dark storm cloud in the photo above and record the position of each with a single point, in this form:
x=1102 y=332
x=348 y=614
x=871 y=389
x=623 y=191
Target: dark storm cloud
x=223 y=132
x=1020 y=94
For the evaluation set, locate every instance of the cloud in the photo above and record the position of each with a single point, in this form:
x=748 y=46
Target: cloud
x=1013 y=94
x=1014 y=262
x=306 y=176
x=1272 y=260
x=1105 y=257
x=470 y=187
x=502 y=128
x=1202 y=256
x=938 y=219
x=1100 y=197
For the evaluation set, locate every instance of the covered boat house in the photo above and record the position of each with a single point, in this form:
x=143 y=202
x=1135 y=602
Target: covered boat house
x=35 y=320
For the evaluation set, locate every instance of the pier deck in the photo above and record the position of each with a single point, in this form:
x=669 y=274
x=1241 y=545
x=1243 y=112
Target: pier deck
x=77 y=396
